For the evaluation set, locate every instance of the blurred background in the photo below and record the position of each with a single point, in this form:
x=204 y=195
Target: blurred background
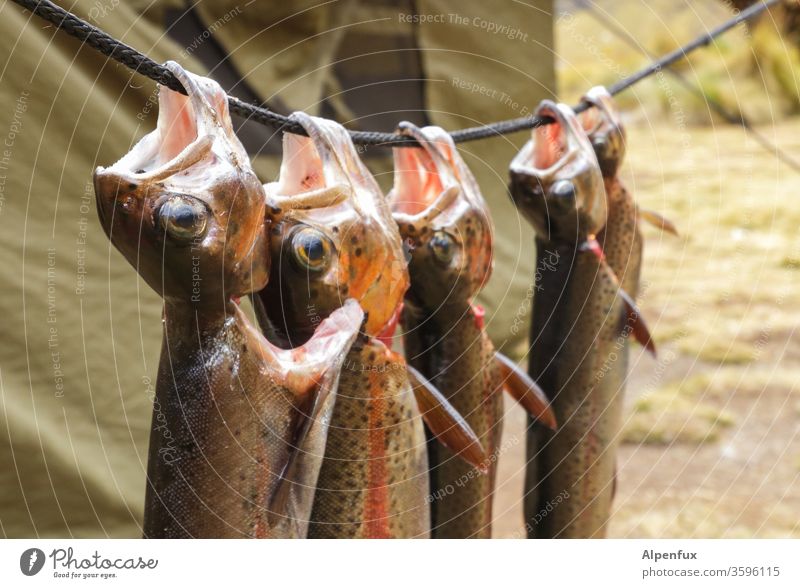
x=711 y=443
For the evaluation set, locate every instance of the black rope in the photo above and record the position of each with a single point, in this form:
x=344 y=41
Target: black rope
x=140 y=63
x=738 y=119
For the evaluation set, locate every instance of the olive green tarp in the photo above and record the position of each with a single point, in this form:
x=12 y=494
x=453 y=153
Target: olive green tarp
x=81 y=332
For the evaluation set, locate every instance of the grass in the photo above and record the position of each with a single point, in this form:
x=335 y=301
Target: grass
x=711 y=447
x=717 y=350
x=676 y=413
x=749 y=71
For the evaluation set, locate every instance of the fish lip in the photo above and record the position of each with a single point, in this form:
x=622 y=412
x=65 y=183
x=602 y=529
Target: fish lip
x=204 y=131
x=443 y=169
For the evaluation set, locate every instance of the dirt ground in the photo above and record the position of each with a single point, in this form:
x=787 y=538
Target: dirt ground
x=711 y=441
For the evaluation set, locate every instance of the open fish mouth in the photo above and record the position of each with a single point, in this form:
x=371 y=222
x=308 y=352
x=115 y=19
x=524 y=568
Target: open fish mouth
x=552 y=142
x=554 y=147
x=441 y=213
x=191 y=129
x=556 y=178
x=422 y=176
x=432 y=179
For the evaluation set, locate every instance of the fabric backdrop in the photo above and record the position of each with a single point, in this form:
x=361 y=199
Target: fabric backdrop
x=80 y=331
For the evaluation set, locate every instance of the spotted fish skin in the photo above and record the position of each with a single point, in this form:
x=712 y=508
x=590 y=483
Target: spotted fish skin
x=621 y=239
x=225 y=423
x=446 y=226
x=232 y=413
x=578 y=319
x=373 y=483
x=460 y=359
x=574 y=336
x=344 y=242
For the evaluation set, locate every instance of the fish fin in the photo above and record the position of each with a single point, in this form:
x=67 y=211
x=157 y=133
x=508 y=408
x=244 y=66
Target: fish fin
x=634 y=318
x=524 y=390
x=632 y=315
x=658 y=221
x=446 y=424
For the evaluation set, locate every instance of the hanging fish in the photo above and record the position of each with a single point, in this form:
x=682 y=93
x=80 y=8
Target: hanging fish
x=343 y=243
x=621 y=239
x=445 y=224
x=239 y=425
x=579 y=313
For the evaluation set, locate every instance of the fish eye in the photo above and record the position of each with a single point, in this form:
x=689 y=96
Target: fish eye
x=533 y=191
x=563 y=189
x=600 y=143
x=183 y=218
x=311 y=249
x=443 y=247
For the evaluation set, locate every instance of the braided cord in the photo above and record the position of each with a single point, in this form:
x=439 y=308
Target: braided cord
x=142 y=64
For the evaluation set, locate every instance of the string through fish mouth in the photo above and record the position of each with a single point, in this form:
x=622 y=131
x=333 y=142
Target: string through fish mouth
x=144 y=65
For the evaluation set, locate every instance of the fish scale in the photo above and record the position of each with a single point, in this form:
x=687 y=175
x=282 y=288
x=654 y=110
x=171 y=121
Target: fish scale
x=373 y=482
x=566 y=358
x=621 y=238
x=442 y=215
x=460 y=358
x=239 y=425
x=582 y=319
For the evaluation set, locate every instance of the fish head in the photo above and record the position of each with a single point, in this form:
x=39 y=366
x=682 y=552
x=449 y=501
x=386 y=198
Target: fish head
x=556 y=181
x=184 y=206
x=335 y=237
x=443 y=219
x=603 y=125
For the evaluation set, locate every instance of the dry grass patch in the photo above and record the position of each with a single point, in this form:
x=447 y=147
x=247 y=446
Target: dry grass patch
x=676 y=413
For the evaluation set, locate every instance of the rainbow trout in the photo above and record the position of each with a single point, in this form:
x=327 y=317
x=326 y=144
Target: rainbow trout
x=239 y=425
x=621 y=238
x=343 y=243
x=581 y=316
x=445 y=223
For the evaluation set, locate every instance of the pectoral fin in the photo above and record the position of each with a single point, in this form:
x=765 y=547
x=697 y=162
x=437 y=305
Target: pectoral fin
x=446 y=424
x=639 y=327
x=658 y=221
x=633 y=317
x=525 y=391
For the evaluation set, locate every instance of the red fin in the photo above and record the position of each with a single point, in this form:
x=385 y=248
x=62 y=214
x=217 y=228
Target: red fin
x=444 y=421
x=480 y=314
x=636 y=320
x=591 y=244
x=387 y=334
x=632 y=315
x=525 y=391
x=658 y=221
